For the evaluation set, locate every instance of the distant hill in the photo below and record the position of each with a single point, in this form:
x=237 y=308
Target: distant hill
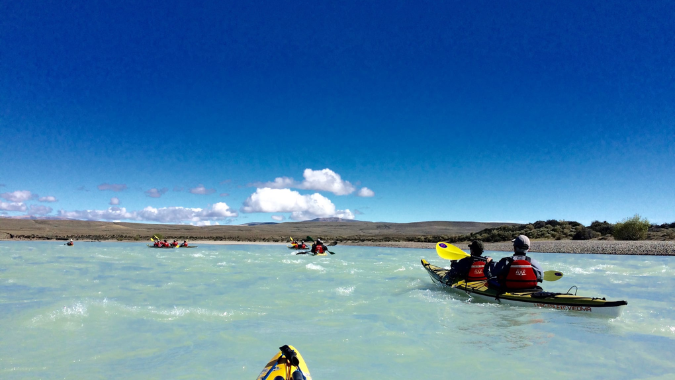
x=331 y=220
x=270 y=232
x=258 y=223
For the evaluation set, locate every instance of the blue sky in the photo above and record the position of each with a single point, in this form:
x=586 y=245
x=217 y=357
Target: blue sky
x=440 y=110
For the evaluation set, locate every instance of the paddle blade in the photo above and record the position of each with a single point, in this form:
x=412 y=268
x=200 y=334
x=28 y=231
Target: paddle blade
x=552 y=275
x=332 y=244
x=291 y=238
x=332 y=253
x=309 y=238
x=450 y=252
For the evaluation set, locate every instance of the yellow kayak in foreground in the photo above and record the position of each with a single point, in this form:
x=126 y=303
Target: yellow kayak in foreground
x=287 y=364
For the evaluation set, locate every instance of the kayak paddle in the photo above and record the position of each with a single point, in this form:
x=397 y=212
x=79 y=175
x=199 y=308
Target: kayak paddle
x=552 y=275
x=450 y=252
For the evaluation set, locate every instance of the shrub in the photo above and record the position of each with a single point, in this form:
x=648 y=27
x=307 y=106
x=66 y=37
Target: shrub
x=583 y=234
x=634 y=228
x=603 y=228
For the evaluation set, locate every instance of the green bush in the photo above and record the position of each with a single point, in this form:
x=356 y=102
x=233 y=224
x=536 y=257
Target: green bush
x=634 y=228
x=603 y=228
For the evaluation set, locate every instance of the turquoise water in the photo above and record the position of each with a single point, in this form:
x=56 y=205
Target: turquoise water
x=123 y=311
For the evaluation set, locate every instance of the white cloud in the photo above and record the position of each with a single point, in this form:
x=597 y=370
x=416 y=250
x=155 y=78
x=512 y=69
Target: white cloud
x=301 y=207
x=39 y=210
x=12 y=206
x=112 y=187
x=18 y=196
x=114 y=201
x=278 y=218
x=326 y=180
x=197 y=216
x=202 y=190
x=154 y=193
x=365 y=192
x=320 y=180
x=278 y=183
x=48 y=198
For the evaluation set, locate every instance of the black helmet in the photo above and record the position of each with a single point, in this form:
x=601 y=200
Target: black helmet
x=476 y=245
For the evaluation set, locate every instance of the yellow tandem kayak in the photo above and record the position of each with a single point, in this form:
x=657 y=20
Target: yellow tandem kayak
x=287 y=364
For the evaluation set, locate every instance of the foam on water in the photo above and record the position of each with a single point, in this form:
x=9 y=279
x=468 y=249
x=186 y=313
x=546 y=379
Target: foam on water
x=119 y=310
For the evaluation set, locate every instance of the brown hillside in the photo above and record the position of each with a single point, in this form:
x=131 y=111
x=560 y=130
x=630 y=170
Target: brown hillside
x=355 y=231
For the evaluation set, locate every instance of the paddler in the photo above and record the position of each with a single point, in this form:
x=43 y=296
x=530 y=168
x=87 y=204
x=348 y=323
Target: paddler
x=518 y=271
x=185 y=243
x=175 y=243
x=469 y=268
x=71 y=242
x=319 y=247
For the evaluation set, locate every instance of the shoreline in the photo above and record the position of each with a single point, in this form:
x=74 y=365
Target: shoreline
x=602 y=247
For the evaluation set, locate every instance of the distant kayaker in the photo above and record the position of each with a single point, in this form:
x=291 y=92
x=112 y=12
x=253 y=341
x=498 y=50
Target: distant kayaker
x=318 y=247
x=470 y=268
x=165 y=244
x=175 y=243
x=71 y=242
x=302 y=244
x=518 y=271
x=185 y=243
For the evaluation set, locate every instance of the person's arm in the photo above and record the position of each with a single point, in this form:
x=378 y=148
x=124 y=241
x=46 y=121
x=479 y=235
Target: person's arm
x=495 y=269
x=537 y=269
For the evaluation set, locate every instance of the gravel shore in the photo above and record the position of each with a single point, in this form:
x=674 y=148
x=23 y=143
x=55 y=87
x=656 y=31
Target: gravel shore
x=607 y=247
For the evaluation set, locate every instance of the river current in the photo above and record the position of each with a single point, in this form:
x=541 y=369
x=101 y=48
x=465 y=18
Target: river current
x=124 y=311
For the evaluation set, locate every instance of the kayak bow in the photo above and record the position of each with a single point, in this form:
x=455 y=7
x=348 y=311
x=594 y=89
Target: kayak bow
x=282 y=364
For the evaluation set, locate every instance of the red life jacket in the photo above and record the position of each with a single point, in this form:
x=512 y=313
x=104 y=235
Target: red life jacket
x=520 y=275
x=156 y=244
x=476 y=271
x=70 y=243
x=184 y=244
x=304 y=246
x=319 y=249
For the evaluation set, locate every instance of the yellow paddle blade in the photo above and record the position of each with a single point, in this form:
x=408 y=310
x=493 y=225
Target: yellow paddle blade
x=291 y=238
x=552 y=275
x=450 y=252
x=151 y=239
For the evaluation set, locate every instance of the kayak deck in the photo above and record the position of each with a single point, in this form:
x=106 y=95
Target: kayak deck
x=528 y=297
x=279 y=366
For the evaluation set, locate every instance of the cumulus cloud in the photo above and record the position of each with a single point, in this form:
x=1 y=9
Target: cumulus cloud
x=197 y=216
x=301 y=207
x=114 y=201
x=319 y=180
x=202 y=190
x=278 y=218
x=12 y=206
x=278 y=183
x=18 y=196
x=39 y=210
x=154 y=193
x=112 y=187
x=326 y=180
x=365 y=192
x=48 y=198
